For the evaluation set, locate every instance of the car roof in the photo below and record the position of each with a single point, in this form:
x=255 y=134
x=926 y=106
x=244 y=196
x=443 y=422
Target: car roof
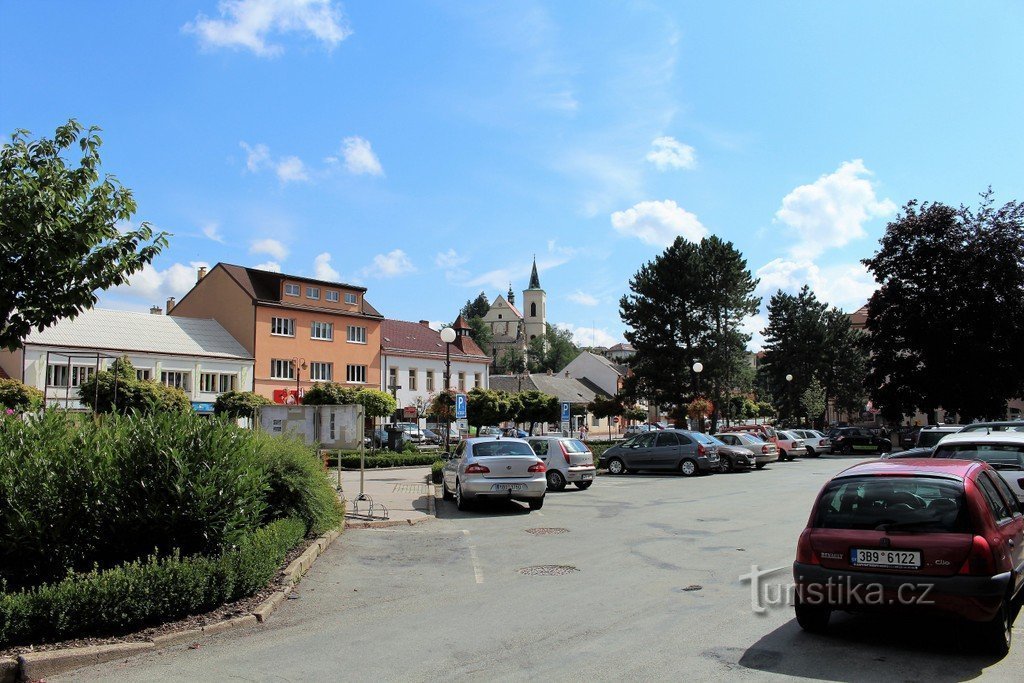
x=936 y=467
x=983 y=437
x=478 y=439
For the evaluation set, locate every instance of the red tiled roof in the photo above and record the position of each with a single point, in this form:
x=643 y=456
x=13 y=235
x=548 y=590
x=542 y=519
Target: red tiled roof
x=417 y=338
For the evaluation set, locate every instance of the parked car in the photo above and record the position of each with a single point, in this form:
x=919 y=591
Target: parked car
x=412 y=429
x=907 y=436
x=764 y=432
x=489 y=431
x=633 y=430
x=491 y=467
x=932 y=434
x=849 y=440
x=670 y=449
x=815 y=442
x=431 y=437
x=378 y=438
x=568 y=461
x=790 y=446
x=1009 y=426
x=514 y=432
x=733 y=458
x=764 y=452
x=925 y=452
x=1003 y=451
x=948 y=529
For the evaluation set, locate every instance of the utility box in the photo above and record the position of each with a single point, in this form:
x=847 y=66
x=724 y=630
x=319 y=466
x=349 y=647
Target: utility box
x=297 y=421
x=339 y=426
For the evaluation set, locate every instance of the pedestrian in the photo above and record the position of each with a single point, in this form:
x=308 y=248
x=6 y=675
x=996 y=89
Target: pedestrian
x=583 y=432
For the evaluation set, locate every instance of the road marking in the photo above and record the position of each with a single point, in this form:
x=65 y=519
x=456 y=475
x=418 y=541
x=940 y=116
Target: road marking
x=540 y=513
x=477 y=571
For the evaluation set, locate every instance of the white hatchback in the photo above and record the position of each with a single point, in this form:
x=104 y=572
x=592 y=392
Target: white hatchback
x=568 y=461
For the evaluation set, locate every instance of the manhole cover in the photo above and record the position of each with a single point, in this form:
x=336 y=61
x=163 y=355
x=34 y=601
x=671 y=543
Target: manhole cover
x=693 y=587
x=548 y=570
x=547 y=531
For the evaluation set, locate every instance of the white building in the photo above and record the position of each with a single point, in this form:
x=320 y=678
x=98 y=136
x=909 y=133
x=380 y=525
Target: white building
x=195 y=355
x=412 y=363
x=606 y=375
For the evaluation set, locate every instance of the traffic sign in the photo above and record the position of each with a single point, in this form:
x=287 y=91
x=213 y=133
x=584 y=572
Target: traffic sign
x=565 y=411
x=461 y=401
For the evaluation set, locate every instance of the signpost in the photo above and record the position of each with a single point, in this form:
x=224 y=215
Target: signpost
x=566 y=424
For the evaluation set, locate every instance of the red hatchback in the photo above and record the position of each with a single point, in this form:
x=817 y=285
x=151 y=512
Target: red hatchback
x=923 y=535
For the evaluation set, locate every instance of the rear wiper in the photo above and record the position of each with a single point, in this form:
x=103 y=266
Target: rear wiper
x=901 y=526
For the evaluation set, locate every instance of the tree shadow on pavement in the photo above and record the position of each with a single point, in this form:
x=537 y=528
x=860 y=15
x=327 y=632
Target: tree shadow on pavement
x=869 y=647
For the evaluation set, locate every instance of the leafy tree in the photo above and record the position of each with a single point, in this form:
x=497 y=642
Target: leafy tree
x=236 y=404
x=766 y=410
x=536 y=406
x=488 y=407
x=602 y=407
x=813 y=401
x=19 y=397
x=119 y=390
x=476 y=308
x=376 y=403
x=552 y=351
x=634 y=414
x=698 y=409
x=329 y=394
x=947 y=320
x=61 y=231
x=480 y=332
x=511 y=361
x=442 y=406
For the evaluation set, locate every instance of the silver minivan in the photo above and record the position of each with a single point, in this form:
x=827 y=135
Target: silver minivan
x=568 y=461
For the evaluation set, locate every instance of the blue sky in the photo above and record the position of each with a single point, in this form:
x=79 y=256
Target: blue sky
x=427 y=150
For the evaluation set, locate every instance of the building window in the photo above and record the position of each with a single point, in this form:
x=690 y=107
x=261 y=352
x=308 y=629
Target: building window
x=321 y=372
x=462 y=381
x=392 y=379
x=323 y=331
x=499 y=316
x=216 y=383
x=57 y=375
x=176 y=379
x=412 y=380
x=355 y=374
x=430 y=380
x=331 y=295
x=356 y=334
x=292 y=290
x=143 y=374
x=533 y=310
x=282 y=369
x=284 y=327
x=313 y=293
x=478 y=380
x=227 y=383
x=351 y=298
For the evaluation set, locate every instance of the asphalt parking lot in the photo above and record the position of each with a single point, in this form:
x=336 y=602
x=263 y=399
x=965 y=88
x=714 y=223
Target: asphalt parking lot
x=636 y=578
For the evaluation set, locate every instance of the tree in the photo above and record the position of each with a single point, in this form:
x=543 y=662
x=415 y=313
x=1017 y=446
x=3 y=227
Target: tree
x=552 y=351
x=813 y=401
x=63 y=233
x=511 y=361
x=480 y=332
x=947 y=319
x=634 y=414
x=119 y=390
x=536 y=406
x=476 y=308
x=442 y=407
x=240 y=404
x=765 y=410
x=602 y=407
x=18 y=397
x=698 y=409
x=488 y=407
x=376 y=403
x=329 y=394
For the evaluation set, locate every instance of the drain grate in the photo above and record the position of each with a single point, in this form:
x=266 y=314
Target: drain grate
x=547 y=531
x=411 y=488
x=693 y=587
x=548 y=570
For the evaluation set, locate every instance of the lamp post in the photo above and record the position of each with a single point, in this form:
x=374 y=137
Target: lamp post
x=299 y=364
x=789 y=383
x=698 y=368
x=447 y=336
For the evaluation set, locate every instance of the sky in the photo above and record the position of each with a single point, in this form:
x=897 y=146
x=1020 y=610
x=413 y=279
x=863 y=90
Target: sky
x=429 y=150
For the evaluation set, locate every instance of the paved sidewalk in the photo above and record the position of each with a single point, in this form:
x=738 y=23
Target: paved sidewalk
x=404 y=491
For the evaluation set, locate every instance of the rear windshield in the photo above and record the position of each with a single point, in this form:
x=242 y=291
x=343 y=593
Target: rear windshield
x=751 y=439
x=926 y=504
x=930 y=437
x=574 y=446
x=1001 y=456
x=704 y=438
x=487 y=448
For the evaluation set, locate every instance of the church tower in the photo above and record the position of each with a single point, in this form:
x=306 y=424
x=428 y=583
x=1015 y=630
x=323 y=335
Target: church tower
x=534 y=307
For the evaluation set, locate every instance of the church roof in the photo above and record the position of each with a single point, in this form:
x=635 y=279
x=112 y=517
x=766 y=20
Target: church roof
x=534 y=278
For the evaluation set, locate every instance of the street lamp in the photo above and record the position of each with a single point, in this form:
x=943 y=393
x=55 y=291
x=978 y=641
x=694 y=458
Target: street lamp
x=789 y=383
x=447 y=336
x=698 y=368
x=299 y=364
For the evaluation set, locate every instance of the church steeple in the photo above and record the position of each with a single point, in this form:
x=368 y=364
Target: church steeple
x=534 y=278
x=511 y=295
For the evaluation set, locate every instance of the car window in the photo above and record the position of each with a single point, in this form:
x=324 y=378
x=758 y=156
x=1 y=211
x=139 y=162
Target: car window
x=461 y=448
x=727 y=439
x=1008 y=495
x=907 y=503
x=1000 y=510
x=540 y=446
x=574 y=446
x=645 y=440
x=756 y=438
x=703 y=438
x=1000 y=456
x=667 y=439
x=486 y=449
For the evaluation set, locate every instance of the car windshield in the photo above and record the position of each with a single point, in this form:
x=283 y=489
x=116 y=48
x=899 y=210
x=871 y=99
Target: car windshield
x=930 y=437
x=903 y=503
x=704 y=438
x=488 y=448
x=574 y=446
x=1002 y=456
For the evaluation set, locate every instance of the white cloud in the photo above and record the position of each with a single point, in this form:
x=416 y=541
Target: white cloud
x=212 y=232
x=359 y=156
x=257 y=157
x=658 y=223
x=846 y=285
x=591 y=336
x=499 y=278
x=831 y=211
x=291 y=169
x=270 y=266
x=668 y=153
x=582 y=298
x=248 y=23
x=391 y=264
x=269 y=246
x=753 y=325
x=605 y=180
x=450 y=259
x=323 y=270
x=156 y=285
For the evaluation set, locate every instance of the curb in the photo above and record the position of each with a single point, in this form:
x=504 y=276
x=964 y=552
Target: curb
x=385 y=523
x=34 y=666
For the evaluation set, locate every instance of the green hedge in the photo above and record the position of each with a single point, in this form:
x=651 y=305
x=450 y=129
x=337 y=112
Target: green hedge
x=435 y=471
x=148 y=592
x=386 y=459
x=297 y=486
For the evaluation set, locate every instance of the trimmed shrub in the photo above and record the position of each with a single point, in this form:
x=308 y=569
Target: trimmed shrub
x=18 y=397
x=119 y=390
x=297 y=484
x=236 y=404
x=435 y=471
x=385 y=459
x=147 y=592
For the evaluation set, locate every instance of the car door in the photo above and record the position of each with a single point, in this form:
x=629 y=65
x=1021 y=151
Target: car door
x=637 y=456
x=540 y=447
x=729 y=439
x=451 y=466
x=665 y=454
x=1009 y=526
x=1015 y=527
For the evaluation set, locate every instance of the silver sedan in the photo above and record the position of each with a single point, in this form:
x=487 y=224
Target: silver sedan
x=494 y=467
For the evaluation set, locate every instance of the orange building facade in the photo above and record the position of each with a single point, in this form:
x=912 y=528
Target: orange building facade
x=299 y=330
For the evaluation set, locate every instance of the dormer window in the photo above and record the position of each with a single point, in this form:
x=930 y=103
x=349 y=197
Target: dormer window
x=292 y=290
x=313 y=293
x=351 y=298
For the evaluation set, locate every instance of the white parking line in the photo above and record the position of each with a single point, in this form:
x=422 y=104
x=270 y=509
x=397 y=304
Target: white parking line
x=477 y=571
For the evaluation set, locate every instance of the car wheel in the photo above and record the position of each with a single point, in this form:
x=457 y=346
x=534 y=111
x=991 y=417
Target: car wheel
x=556 y=482
x=782 y=455
x=688 y=467
x=460 y=500
x=615 y=466
x=760 y=465
x=847 y=449
x=812 y=618
x=997 y=635
x=583 y=485
x=811 y=452
x=726 y=465
x=536 y=503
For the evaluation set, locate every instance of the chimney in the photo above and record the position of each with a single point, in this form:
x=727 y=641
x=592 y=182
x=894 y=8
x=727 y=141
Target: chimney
x=201 y=273
x=425 y=323
x=156 y=310
x=567 y=374
x=170 y=304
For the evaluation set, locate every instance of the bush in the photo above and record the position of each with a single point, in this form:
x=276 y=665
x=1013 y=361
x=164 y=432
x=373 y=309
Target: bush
x=147 y=592
x=297 y=484
x=119 y=390
x=236 y=404
x=386 y=459
x=435 y=471
x=18 y=397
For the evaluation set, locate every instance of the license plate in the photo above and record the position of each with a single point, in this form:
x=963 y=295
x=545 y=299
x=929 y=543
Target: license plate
x=508 y=487
x=865 y=448
x=585 y=477
x=889 y=559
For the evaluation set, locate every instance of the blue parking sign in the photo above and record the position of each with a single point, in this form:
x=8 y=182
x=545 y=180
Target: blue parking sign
x=565 y=412
x=460 y=406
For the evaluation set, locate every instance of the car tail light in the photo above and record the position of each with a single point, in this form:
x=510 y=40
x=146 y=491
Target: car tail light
x=565 y=453
x=539 y=467
x=701 y=450
x=804 y=552
x=477 y=469
x=980 y=561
